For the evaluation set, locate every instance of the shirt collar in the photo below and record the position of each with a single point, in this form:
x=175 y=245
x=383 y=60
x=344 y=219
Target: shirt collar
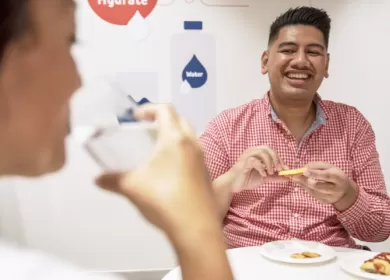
x=321 y=109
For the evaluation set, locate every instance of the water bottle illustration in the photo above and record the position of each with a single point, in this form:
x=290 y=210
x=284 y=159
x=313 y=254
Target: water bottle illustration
x=193 y=74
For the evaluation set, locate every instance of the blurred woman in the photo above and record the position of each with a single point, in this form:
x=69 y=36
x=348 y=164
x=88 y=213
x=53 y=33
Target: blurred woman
x=37 y=78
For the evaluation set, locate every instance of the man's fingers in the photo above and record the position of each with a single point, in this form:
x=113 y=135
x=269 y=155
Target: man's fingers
x=305 y=181
x=268 y=157
x=314 y=185
x=332 y=175
x=323 y=175
x=277 y=162
x=255 y=163
x=302 y=180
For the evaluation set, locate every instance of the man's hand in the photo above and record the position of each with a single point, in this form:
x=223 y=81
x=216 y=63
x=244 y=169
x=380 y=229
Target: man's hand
x=328 y=184
x=257 y=165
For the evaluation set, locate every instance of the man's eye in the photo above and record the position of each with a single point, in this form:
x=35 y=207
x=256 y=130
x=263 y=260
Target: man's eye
x=314 y=53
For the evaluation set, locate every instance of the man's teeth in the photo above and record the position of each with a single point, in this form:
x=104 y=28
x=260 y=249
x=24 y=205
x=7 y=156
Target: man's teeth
x=297 y=76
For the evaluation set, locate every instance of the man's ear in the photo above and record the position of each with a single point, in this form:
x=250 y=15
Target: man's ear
x=327 y=66
x=264 y=62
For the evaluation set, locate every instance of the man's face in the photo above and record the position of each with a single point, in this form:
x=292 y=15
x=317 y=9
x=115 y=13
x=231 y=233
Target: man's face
x=296 y=62
x=37 y=77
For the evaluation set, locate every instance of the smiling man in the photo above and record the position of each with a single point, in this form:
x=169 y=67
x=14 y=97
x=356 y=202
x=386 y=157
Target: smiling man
x=341 y=196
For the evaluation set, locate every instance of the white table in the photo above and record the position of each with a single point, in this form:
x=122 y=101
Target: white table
x=247 y=264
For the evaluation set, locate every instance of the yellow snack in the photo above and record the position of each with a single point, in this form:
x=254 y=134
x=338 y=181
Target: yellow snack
x=292 y=172
x=297 y=256
x=305 y=255
x=311 y=255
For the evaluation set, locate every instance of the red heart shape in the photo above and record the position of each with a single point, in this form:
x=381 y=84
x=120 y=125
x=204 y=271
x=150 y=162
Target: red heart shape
x=121 y=14
x=146 y=10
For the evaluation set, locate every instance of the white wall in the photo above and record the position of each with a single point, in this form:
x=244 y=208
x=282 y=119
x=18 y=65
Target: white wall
x=67 y=215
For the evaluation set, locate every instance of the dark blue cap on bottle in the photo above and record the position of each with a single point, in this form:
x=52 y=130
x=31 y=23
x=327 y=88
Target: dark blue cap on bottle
x=193 y=25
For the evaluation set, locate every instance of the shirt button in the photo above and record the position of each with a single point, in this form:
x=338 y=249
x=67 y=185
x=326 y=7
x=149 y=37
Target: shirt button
x=296 y=189
x=296 y=215
x=344 y=219
x=297 y=160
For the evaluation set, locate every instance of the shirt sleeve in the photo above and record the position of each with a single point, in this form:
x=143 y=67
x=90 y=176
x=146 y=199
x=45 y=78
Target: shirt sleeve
x=214 y=142
x=368 y=219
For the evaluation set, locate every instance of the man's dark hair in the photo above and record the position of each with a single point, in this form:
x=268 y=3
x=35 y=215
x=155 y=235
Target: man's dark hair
x=310 y=16
x=13 y=22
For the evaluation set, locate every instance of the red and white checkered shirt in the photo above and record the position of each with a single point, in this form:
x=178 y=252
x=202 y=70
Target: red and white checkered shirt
x=279 y=211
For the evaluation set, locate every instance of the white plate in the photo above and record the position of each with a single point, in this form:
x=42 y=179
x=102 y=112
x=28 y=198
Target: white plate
x=351 y=264
x=282 y=250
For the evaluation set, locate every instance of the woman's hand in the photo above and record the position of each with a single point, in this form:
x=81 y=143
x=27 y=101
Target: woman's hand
x=173 y=191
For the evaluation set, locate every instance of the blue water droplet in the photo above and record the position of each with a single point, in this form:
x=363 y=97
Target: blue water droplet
x=195 y=73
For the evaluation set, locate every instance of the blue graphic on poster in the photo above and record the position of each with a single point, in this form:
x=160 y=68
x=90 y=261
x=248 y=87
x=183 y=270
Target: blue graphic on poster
x=128 y=115
x=132 y=88
x=194 y=73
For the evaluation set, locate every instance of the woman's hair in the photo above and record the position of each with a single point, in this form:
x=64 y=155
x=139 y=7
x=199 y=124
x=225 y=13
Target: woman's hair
x=13 y=22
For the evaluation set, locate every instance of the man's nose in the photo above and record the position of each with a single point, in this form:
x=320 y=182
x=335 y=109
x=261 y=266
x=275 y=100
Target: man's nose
x=300 y=60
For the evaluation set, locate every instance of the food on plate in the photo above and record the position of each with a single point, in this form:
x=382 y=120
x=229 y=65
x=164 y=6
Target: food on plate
x=298 y=256
x=305 y=255
x=380 y=264
x=292 y=172
x=311 y=255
